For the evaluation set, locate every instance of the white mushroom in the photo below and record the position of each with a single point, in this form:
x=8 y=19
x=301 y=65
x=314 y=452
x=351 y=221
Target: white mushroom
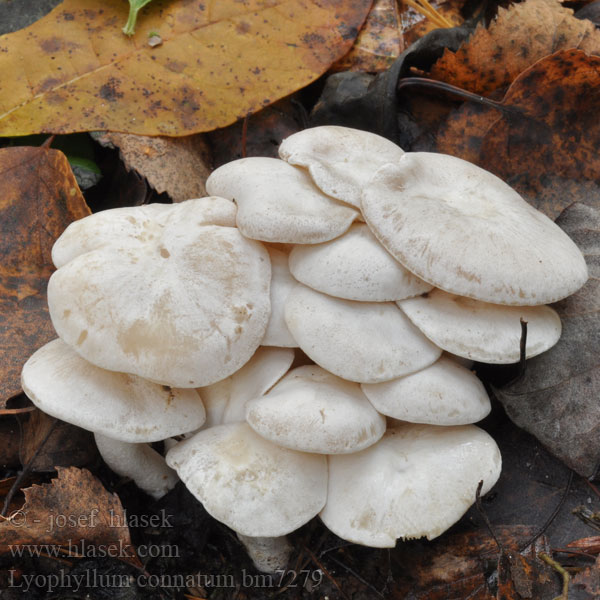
x=340 y=160
x=314 y=411
x=354 y=266
x=122 y=410
x=444 y=393
x=278 y=202
x=365 y=342
x=183 y=303
x=416 y=481
x=465 y=231
x=481 y=331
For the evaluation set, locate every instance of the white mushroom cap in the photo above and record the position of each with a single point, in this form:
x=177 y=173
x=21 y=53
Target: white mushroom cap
x=354 y=266
x=366 y=342
x=341 y=160
x=465 y=231
x=249 y=483
x=314 y=411
x=120 y=406
x=481 y=331
x=225 y=401
x=417 y=481
x=282 y=283
x=133 y=225
x=443 y=394
x=187 y=307
x=278 y=202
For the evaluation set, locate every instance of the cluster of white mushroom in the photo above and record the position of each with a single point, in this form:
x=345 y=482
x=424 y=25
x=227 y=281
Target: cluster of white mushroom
x=372 y=261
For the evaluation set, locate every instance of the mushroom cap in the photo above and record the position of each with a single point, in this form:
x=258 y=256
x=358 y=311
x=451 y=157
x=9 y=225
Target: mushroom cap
x=467 y=232
x=489 y=333
x=444 y=393
x=120 y=406
x=282 y=283
x=135 y=224
x=249 y=483
x=278 y=202
x=365 y=342
x=314 y=411
x=186 y=305
x=225 y=401
x=340 y=160
x=417 y=481
x=354 y=266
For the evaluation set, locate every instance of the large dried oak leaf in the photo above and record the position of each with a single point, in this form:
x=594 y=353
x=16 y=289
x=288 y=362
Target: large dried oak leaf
x=557 y=399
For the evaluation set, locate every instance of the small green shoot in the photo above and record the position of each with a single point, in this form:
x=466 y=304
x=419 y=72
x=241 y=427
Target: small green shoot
x=134 y=7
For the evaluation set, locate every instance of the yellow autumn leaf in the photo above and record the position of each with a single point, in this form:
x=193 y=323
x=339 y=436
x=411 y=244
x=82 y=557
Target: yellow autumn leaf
x=74 y=70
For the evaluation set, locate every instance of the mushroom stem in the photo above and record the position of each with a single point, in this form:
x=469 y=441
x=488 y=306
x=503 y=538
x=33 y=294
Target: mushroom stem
x=140 y=462
x=269 y=554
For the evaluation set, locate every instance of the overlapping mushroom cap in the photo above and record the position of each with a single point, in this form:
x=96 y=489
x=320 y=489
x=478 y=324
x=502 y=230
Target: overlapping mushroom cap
x=467 y=232
x=177 y=299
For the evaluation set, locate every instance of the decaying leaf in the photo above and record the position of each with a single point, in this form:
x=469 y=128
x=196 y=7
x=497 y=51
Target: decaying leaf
x=73 y=513
x=379 y=42
x=177 y=166
x=588 y=582
x=520 y=36
x=557 y=399
x=543 y=141
x=449 y=10
x=74 y=70
x=39 y=198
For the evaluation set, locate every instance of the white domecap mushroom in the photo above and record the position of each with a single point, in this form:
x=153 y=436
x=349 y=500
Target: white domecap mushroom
x=366 y=342
x=282 y=283
x=340 y=160
x=186 y=304
x=225 y=401
x=489 y=333
x=312 y=410
x=257 y=488
x=354 y=266
x=278 y=202
x=444 y=393
x=467 y=232
x=417 y=481
x=124 y=411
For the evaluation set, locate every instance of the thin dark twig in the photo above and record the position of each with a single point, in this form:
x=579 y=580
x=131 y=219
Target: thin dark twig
x=573 y=551
x=325 y=571
x=523 y=349
x=245 y=135
x=48 y=141
x=356 y=576
x=17 y=483
x=485 y=517
x=455 y=91
x=552 y=516
x=593 y=488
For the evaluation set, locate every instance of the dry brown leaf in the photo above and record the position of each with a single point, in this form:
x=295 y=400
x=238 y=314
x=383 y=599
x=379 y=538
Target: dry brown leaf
x=545 y=142
x=520 y=35
x=74 y=70
x=39 y=197
x=450 y=10
x=70 y=514
x=177 y=166
x=379 y=42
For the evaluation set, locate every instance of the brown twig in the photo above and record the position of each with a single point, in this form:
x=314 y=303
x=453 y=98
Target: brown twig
x=325 y=572
x=485 y=518
x=245 y=135
x=356 y=576
x=522 y=349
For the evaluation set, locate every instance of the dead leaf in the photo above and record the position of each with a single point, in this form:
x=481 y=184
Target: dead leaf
x=379 y=42
x=177 y=166
x=39 y=198
x=70 y=514
x=67 y=446
x=520 y=36
x=591 y=545
x=74 y=70
x=450 y=10
x=557 y=399
x=588 y=580
x=545 y=141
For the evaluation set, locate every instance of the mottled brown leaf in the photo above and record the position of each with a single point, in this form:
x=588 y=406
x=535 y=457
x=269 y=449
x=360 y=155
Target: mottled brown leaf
x=39 y=197
x=219 y=60
x=557 y=399
x=177 y=166
x=520 y=36
x=545 y=143
x=72 y=512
